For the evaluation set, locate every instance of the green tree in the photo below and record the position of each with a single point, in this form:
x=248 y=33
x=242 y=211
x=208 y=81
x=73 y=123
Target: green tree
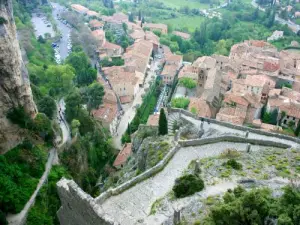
x=187 y=185
x=85 y=74
x=162 y=123
x=75 y=125
x=42 y=125
x=47 y=105
x=73 y=104
x=59 y=79
x=94 y=96
x=297 y=130
x=274 y=117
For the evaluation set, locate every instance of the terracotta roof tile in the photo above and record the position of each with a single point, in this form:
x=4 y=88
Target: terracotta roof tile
x=123 y=155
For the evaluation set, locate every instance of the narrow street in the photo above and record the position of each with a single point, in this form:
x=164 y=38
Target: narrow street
x=131 y=111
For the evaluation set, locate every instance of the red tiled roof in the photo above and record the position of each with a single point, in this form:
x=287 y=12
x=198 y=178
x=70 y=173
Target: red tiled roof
x=182 y=34
x=123 y=155
x=125 y=99
x=96 y=23
x=79 y=8
x=107 y=112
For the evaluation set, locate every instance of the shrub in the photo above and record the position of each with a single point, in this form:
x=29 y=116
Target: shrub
x=187 y=185
x=3 y=20
x=180 y=102
x=2 y=218
x=162 y=123
x=20 y=117
x=188 y=82
x=233 y=164
x=230 y=153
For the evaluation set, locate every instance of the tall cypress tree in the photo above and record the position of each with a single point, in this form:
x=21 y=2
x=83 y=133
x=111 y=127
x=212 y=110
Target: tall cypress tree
x=162 y=123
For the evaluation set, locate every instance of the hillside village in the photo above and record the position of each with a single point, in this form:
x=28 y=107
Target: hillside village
x=256 y=85
x=150 y=112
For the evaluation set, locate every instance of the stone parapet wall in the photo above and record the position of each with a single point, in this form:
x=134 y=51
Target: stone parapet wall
x=147 y=174
x=236 y=127
x=229 y=138
x=78 y=208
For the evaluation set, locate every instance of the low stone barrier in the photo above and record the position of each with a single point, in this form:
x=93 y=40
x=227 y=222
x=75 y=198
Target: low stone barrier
x=229 y=138
x=236 y=127
x=147 y=174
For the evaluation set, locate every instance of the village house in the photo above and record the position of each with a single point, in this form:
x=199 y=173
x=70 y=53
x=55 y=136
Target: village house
x=172 y=66
x=138 y=56
x=99 y=36
x=125 y=83
x=277 y=34
x=183 y=35
x=92 y=14
x=200 y=108
x=96 y=25
x=108 y=49
x=259 y=85
x=168 y=74
x=163 y=28
x=123 y=156
x=239 y=108
x=79 y=9
x=107 y=113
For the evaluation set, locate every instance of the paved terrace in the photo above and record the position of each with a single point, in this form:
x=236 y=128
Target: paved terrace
x=133 y=205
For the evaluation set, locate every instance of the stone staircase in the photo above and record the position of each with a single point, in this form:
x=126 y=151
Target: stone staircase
x=172 y=119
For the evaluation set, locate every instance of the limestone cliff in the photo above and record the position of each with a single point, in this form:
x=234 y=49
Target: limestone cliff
x=14 y=81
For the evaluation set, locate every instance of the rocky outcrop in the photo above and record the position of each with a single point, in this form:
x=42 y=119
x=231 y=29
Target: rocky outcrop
x=14 y=80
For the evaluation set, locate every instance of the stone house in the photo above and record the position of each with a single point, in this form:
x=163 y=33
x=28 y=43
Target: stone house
x=259 y=85
x=124 y=82
x=163 y=28
x=79 y=9
x=239 y=109
x=108 y=49
x=138 y=55
x=96 y=25
x=183 y=35
x=123 y=156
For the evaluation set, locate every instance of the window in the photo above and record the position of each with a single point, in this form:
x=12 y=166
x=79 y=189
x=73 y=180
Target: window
x=284 y=121
x=287 y=117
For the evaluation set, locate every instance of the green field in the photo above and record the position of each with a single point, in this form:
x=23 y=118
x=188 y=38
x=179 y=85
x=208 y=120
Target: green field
x=189 y=22
x=181 y=3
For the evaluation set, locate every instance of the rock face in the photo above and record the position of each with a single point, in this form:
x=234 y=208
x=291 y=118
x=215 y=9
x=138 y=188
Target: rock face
x=14 y=80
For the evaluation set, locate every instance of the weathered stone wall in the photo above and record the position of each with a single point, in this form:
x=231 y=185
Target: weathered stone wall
x=78 y=208
x=14 y=80
x=236 y=127
x=235 y=139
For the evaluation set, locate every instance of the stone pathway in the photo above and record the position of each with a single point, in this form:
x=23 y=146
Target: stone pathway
x=133 y=206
